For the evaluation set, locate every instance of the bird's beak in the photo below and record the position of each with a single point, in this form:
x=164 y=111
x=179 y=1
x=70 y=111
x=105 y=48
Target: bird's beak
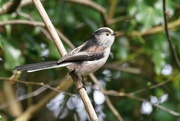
x=114 y=34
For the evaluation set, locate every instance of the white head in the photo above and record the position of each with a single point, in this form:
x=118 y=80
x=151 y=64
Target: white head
x=105 y=36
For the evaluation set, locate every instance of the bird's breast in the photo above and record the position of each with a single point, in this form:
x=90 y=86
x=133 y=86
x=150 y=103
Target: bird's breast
x=86 y=67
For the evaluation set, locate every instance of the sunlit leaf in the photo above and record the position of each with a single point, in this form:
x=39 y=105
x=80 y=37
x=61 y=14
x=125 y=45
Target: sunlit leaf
x=148 y=15
x=12 y=56
x=121 y=49
x=158 y=59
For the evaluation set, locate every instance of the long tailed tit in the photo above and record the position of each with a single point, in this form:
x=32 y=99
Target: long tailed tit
x=85 y=59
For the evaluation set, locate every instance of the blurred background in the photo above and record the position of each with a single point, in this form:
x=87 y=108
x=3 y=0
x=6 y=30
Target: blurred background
x=140 y=80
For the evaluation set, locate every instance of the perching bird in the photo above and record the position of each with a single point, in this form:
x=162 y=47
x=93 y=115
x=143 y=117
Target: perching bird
x=85 y=59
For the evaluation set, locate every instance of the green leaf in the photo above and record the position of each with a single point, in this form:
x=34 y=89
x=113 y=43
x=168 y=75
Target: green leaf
x=160 y=51
x=158 y=59
x=148 y=14
x=53 y=50
x=12 y=56
x=163 y=115
x=121 y=49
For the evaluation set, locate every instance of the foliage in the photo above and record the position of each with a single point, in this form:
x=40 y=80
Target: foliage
x=141 y=58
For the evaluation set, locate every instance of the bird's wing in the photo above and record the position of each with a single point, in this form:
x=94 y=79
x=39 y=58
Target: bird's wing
x=88 y=51
x=80 y=57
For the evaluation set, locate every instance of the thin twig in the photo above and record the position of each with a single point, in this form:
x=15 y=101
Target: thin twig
x=120 y=19
x=120 y=94
x=23 y=97
x=35 y=83
x=89 y=3
x=113 y=4
x=109 y=103
x=150 y=87
x=117 y=66
x=27 y=22
x=155 y=85
x=94 y=6
x=153 y=30
x=131 y=95
x=34 y=93
x=40 y=24
x=155 y=105
x=173 y=49
x=33 y=109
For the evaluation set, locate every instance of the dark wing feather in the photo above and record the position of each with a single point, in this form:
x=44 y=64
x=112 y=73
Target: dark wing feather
x=81 y=56
x=88 y=51
x=36 y=66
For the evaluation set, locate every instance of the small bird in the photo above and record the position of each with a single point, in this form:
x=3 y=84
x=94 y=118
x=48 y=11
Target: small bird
x=85 y=59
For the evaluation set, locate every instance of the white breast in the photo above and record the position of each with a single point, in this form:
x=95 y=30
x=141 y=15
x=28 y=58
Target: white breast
x=92 y=66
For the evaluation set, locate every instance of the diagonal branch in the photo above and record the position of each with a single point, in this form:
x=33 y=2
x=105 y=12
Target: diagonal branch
x=129 y=95
x=172 y=47
x=40 y=24
x=112 y=108
x=50 y=27
x=112 y=9
x=48 y=86
x=156 y=105
x=94 y=6
x=33 y=109
x=153 y=30
x=60 y=47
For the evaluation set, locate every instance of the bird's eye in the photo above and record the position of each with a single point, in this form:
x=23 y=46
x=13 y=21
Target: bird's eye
x=107 y=34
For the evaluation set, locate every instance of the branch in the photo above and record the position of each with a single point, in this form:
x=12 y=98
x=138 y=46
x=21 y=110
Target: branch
x=132 y=96
x=119 y=19
x=154 y=30
x=9 y=94
x=173 y=49
x=89 y=3
x=10 y=7
x=27 y=22
x=94 y=6
x=120 y=94
x=35 y=83
x=87 y=103
x=110 y=105
x=156 y=105
x=40 y=24
x=33 y=109
x=23 y=97
x=50 y=27
x=113 y=4
x=117 y=66
x=155 y=85
x=59 y=45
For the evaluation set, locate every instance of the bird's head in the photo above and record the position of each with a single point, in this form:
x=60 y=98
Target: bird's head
x=105 y=36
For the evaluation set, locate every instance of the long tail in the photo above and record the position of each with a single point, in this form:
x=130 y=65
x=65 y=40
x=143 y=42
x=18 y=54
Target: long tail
x=39 y=66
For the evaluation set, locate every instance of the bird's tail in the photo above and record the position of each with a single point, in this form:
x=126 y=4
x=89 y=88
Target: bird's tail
x=39 y=66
